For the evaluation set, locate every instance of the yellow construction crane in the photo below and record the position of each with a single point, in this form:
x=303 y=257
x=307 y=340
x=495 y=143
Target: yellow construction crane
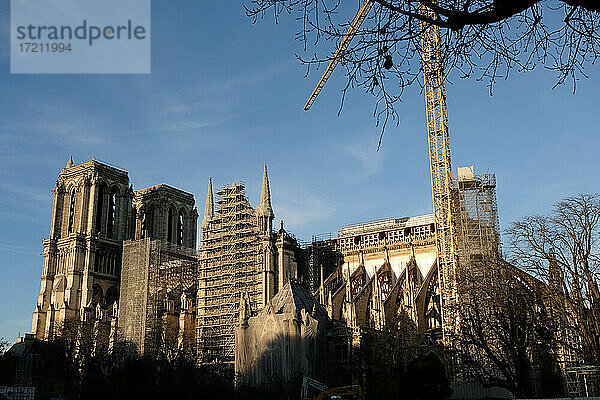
x=358 y=20
x=439 y=157
x=441 y=173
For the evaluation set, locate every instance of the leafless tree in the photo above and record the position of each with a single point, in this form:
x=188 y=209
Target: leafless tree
x=562 y=249
x=398 y=362
x=4 y=346
x=484 y=39
x=503 y=326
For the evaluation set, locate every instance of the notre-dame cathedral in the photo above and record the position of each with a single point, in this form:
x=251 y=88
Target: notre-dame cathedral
x=126 y=259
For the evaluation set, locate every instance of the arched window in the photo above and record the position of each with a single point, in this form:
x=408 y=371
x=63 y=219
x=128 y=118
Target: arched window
x=180 y=228
x=99 y=207
x=147 y=223
x=98 y=294
x=112 y=211
x=72 y=211
x=111 y=296
x=170 y=225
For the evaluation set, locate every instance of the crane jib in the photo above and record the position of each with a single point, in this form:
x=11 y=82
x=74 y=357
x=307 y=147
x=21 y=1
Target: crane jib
x=356 y=23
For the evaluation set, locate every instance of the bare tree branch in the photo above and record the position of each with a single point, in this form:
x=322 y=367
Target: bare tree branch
x=483 y=39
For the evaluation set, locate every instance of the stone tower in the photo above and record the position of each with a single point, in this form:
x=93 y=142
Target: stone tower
x=82 y=257
x=165 y=213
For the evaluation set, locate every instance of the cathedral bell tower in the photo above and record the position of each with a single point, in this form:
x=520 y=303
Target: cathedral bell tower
x=82 y=256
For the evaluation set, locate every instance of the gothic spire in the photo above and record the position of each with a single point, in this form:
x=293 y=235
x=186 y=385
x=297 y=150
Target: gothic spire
x=70 y=163
x=264 y=209
x=209 y=209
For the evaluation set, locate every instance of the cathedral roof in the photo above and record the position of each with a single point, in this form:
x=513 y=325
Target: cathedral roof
x=293 y=298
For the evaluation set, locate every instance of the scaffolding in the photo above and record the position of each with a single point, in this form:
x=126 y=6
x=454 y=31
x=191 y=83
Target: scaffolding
x=580 y=379
x=583 y=381
x=154 y=273
x=229 y=267
x=477 y=223
x=322 y=261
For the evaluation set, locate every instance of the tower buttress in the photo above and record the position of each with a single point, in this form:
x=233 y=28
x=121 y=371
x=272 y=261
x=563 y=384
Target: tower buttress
x=287 y=267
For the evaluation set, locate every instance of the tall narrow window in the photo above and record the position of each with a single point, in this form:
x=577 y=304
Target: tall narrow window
x=170 y=226
x=111 y=264
x=180 y=228
x=133 y=223
x=97 y=257
x=72 y=211
x=144 y=224
x=99 y=206
x=112 y=210
x=147 y=222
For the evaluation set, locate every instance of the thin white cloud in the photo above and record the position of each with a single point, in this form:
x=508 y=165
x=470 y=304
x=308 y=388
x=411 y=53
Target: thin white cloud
x=181 y=109
x=74 y=132
x=23 y=216
x=208 y=103
x=59 y=125
x=367 y=161
x=24 y=203
x=298 y=207
x=19 y=249
x=182 y=126
x=27 y=192
x=241 y=84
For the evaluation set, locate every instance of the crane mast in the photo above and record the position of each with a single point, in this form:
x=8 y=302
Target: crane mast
x=439 y=156
x=441 y=173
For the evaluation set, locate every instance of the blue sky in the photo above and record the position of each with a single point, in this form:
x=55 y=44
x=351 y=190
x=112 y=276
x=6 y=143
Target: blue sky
x=225 y=96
